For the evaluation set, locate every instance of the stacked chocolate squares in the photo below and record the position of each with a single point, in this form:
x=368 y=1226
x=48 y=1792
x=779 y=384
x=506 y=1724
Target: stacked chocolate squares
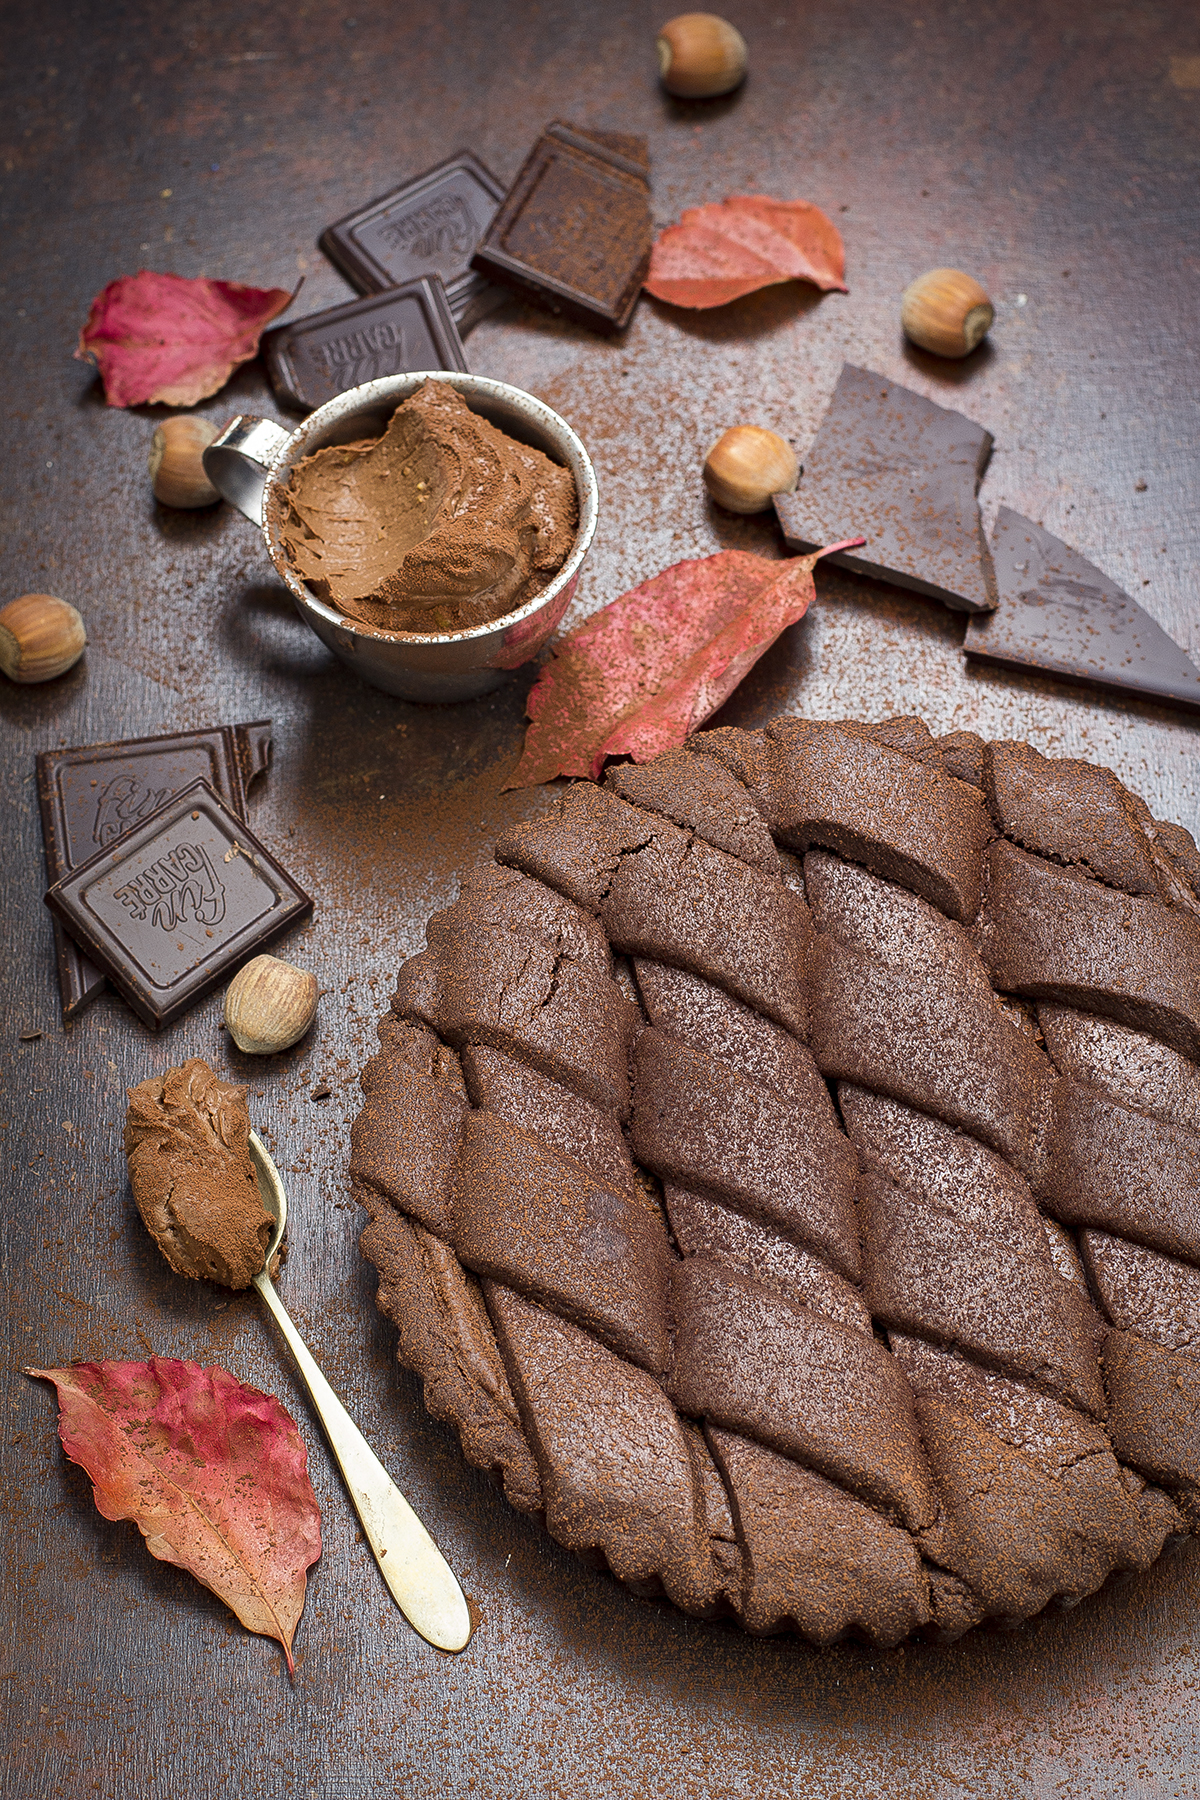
x=435 y=255
x=157 y=882
x=888 y=464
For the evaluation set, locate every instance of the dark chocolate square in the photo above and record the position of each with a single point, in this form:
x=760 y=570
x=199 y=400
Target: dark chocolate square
x=890 y=466
x=405 y=328
x=178 y=904
x=91 y=794
x=574 y=231
x=428 y=226
x=1061 y=614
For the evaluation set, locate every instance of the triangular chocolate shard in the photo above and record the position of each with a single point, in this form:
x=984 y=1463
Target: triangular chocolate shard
x=1059 y=613
x=894 y=468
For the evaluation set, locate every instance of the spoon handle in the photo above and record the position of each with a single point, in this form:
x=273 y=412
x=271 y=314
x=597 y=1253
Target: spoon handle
x=422 y=1582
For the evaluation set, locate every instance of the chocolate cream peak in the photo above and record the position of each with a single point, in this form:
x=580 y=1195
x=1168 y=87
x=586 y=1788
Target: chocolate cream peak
x=443 y=523
x=187 y=1140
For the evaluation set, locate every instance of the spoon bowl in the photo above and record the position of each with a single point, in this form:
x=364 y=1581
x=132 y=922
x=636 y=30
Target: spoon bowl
x=421 y=1581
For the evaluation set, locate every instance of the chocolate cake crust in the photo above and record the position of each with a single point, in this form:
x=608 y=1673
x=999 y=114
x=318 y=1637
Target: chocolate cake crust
x=816 y=1243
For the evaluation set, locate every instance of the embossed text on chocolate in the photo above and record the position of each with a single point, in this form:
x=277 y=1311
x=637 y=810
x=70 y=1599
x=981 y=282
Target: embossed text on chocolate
x=360 y=355
x=121 y=802
x=181 y=884
x=445 y=226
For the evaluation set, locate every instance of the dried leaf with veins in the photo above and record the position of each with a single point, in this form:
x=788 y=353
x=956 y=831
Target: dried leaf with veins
x=718 y=253
x=213 y=1474
x=173 y=340
x=644 y=672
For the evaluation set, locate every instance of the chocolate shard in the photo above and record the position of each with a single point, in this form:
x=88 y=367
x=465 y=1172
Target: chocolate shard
x=1118 y=1170
x=446 y=1337
x=701 y=1125
x=406 y=329
x=1055 y=934
x=1130 y=1066
x=1018 y=1536
x=1141 y=1291
x=815 y=1557
x=574 y=231
x=1076 y=813
x=930 y=1273
x=1057 y=612
x=429 y=225
x=1154 y=1415
x=751 y=1361
x=616 y=1466
x=688 y=1007
x=405 y=1140
x=894 y=468
x=836 y=787
x=901 y=1005
x=695 y=791
x=678 y=900
x=536 y=1221
x=178 y=904
x=564 y=1121
x=704 y=1227
x=91 y=793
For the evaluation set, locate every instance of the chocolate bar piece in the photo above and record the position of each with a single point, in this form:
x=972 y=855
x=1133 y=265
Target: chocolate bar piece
x=894 y=468
x=574 y=231
x=1059 y=613
x=428 y=226
x=91 y=794
x=410 y=327
x=178 y=903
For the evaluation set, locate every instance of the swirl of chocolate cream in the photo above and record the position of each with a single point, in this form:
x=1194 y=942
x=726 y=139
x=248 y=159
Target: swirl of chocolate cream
x=442 y=523
x=187 y=1141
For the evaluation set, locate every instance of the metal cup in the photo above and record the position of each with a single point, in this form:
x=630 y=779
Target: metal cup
x=253 y=458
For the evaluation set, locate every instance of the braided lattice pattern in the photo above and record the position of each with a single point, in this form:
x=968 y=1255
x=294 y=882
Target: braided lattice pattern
x=783 y=1168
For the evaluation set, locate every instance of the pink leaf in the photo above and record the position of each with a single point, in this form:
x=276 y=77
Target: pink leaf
x=644 y=672
x=168 y=339
x=213 y=1474
x=719 y=252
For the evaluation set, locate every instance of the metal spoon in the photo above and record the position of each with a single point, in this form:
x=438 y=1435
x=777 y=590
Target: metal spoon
x=422 y=1582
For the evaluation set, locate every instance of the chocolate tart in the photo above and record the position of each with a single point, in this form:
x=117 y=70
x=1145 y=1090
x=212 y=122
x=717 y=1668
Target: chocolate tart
x=783 y=1170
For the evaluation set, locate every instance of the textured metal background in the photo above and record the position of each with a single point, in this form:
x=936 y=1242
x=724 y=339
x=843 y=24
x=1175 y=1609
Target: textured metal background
x=1052 y=147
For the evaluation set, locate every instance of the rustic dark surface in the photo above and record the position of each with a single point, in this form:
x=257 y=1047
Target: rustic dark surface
x=1050 y=148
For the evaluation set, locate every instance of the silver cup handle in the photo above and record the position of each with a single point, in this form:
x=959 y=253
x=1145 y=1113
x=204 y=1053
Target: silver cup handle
x=239 y=461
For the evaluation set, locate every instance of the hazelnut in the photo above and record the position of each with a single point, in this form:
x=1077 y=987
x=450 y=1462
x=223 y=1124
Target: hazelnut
x=40 y=637
x=700 y=55
x=269 y=1005
x=946 y=312
x=747 y=465
x=174 y=462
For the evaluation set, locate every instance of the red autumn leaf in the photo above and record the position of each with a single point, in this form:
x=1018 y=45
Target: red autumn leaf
x=170 y=340
x=213 y=1473
x=641 y=674
x=732 y=247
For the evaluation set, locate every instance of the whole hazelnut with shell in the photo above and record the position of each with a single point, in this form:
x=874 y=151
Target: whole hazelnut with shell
x=748 y=464
x=700 y=56
x=946 y=312
x=269 y=1005
x=40 y=637
x=175 y=465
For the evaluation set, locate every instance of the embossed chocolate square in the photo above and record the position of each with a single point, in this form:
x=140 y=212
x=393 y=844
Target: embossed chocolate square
x=428 y=226
x=407 y=328
x=574 y=231
x=178 y=903
x=90 y=794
